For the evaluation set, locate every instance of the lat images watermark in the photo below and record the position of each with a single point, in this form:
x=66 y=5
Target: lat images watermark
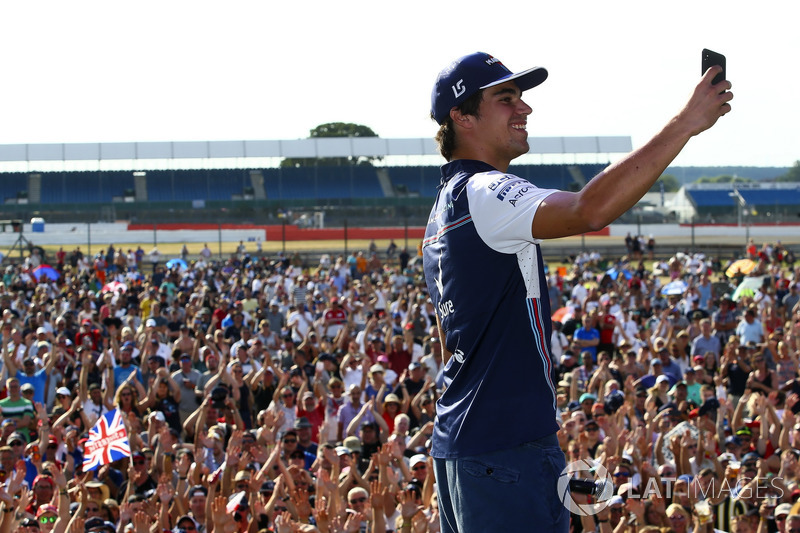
x=600 y=485
x=591 y=478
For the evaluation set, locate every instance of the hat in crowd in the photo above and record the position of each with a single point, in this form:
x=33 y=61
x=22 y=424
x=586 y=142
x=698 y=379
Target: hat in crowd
x=376 y=368
x=670 y=407
x=744 y=431
x=45 y=479
x=102 y=487
x=389 y=398
x=783 y=509
x=471 y=73
x=662 y=379
x=709 y=406
x=353 y=444
x=186 y=357
x=86 y=322
x=198 y=490
x=26 y=387
x=150 y=323
x=308 y=394
x=268 y=486
x=750 y=456
x=302 y=422
x=46 y=508
x=129 y=345
x=587 y=396
x=415 y=365
x=383 y=359
x=326 y=357
x=183 y=521
x=98 y=524
x=616 y=499
x=16 y=437
x=342 y=450
x=41 y=331
x=613 y=401
x=734 y=440
x=242 y=475
x=655 y=361
x=419 y=458
x=727 y=456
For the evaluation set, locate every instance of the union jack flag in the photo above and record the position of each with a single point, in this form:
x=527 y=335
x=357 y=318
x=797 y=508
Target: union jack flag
x=108 y=441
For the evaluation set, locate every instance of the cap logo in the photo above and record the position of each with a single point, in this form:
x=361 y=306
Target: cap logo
x=458 y=88
x=492 y=61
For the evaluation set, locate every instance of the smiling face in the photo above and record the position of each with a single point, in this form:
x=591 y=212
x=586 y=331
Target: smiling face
x=498 y=133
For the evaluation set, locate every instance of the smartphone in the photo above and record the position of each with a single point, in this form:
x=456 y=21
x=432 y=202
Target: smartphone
x=709 y=60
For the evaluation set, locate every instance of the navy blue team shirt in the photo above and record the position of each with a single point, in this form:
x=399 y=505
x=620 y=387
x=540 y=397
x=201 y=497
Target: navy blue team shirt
x=485 y=277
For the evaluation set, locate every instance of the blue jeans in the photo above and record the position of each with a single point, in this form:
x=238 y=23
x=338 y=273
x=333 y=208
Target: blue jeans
x=508 y=490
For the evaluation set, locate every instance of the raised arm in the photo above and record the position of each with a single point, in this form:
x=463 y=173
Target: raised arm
x=592 y=208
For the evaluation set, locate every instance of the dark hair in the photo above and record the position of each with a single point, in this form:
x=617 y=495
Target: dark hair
x=446 y=136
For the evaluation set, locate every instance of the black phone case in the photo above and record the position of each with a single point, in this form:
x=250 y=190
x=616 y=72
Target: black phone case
x=709 y=60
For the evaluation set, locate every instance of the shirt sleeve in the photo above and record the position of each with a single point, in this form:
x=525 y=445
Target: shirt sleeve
x=502 y=208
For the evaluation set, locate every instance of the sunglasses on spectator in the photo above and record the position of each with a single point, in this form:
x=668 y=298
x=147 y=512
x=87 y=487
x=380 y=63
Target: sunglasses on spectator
x=420 y=467
x=47 y=519
x=362 y=499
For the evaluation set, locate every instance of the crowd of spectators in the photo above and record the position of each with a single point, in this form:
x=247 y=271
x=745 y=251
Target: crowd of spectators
x=264 y=394
x=258 y=393
x=678 y=388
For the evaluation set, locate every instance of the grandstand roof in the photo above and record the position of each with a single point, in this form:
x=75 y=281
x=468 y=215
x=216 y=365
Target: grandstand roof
x=316 y=147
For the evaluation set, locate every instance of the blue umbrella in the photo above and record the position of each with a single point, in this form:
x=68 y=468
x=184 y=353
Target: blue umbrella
x=46 y=270
x=613 y=273
x=674 y=288
x=179 y=263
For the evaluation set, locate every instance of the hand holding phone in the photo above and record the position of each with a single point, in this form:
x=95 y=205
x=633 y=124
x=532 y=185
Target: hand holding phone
x=710 y=59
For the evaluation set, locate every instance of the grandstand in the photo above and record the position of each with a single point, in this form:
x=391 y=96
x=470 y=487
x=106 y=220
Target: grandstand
x=735 y=202
x=164 y=181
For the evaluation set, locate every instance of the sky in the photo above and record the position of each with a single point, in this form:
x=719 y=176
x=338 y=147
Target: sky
x=83 y=71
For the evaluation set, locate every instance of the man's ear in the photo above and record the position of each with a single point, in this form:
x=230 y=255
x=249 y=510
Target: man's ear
x=461 y=119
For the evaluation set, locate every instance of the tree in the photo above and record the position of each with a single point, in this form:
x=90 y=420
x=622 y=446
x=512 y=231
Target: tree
x=671 y=184
x=333 y=129
x=792 y=175
x=725 y=178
